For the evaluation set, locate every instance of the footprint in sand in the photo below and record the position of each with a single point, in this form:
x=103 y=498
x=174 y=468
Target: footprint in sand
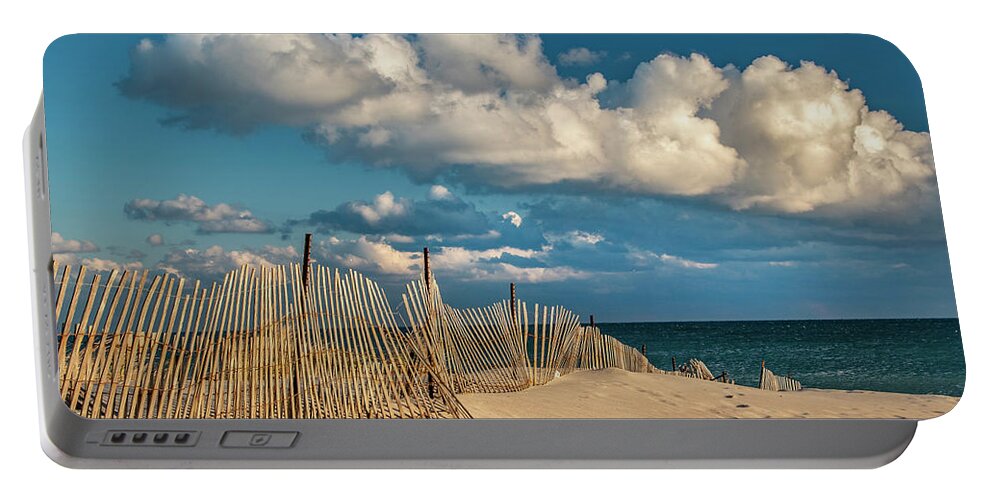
x=729 y=396
x=741 y=406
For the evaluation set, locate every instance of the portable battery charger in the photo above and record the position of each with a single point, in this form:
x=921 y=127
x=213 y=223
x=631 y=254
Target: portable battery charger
x=486 y=251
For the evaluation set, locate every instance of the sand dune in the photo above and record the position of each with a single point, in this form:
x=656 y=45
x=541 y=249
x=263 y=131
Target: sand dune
x=614 y=393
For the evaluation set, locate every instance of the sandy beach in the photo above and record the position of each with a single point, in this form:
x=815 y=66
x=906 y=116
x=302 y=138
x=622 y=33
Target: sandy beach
x=614 y=393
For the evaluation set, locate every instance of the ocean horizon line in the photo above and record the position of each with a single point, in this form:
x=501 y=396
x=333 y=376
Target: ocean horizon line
x=919 y=318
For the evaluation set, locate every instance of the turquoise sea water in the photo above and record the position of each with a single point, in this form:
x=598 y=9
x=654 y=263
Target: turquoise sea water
x=922 y=356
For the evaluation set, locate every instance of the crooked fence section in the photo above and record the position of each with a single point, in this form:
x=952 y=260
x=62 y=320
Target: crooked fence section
x=598 y=350
x=771 y=382
x=262 y=344
x=508 y=346
x=694 y=368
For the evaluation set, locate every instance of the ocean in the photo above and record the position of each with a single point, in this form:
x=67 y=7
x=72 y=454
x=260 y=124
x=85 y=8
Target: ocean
x=919 y=356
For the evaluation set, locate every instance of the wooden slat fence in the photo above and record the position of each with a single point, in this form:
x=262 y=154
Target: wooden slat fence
x=598 y=351
x=262 y=344
x=771 y=382
x=257 y=345
x=694 y=368
x=506 y=346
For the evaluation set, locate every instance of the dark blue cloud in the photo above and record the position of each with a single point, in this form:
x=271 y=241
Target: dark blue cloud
x=219 y=218
x=390 y=215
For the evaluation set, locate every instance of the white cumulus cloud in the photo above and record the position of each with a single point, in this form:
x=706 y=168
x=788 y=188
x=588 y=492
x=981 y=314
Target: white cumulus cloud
x=811 y=142
x=491 y=111
x=491 y=265
x=581 y=56
x=220 y=218
x=384 y=205
x=63 y=245
x=369 y=255
x=439 y=193
x=215 y=261
x=96 y=264
x=513 y=217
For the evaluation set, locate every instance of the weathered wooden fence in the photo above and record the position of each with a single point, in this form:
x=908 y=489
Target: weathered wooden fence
x=598 y=350
x=694 y=368
x=772 y=382
x=258 y=345
x=296 y=342
x=509 y=346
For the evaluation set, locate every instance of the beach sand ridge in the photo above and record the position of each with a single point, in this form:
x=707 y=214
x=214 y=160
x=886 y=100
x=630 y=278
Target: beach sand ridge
x=614 y=393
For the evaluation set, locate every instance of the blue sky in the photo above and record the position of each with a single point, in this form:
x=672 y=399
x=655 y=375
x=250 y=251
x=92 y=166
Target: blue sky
x=634 y=177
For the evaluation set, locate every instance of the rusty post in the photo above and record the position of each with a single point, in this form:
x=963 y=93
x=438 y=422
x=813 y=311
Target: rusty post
x=673 y=363
x=427 y=288
x=644 y=350
x=592 y=323
x=306 y=260
x=427 y=270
